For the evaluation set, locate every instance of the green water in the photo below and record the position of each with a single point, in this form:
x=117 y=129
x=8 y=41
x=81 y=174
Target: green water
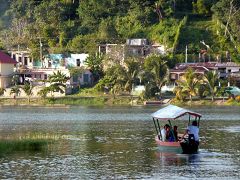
x=115 y=143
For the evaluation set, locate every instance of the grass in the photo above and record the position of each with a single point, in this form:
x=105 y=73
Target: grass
x=96 y=101
x=12 y=146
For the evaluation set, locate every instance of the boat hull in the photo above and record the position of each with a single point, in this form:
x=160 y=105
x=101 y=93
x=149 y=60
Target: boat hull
x=177 y=147
x=174 y=147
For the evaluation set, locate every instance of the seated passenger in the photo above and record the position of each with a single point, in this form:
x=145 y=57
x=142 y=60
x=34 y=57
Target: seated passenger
x=193 y=132
x=165 y=132
x=175 y=132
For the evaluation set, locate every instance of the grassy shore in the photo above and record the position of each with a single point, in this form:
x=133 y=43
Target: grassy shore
x=12 y=146
x=106 y=100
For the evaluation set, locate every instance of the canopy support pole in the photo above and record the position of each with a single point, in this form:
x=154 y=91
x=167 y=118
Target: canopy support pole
x=159 y=130
x=189 y=119
x=198 y=121
x=170 y=123
x=155 y=125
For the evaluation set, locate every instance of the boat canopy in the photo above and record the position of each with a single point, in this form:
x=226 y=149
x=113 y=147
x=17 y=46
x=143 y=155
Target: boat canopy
x=172 y=112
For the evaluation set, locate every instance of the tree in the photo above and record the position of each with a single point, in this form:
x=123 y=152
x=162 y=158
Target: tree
x=210 y=79
x=2 y=90
x=203 y=6
x=16 y=91
x=128 y=74
x=187 y=84
x=57 y=84
x=157 y=65
x=28 y=89
x=94 y=62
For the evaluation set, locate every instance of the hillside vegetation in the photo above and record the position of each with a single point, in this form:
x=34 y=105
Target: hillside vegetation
x=63 y=26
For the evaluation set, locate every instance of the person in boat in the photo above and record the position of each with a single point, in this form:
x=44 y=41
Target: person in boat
x=175 y=132
x=165 y=132
x=193 y=132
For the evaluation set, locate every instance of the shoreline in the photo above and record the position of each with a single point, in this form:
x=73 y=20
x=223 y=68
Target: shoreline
x=108 y=101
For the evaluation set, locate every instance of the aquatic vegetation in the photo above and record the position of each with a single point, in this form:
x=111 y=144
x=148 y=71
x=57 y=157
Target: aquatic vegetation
x=27 y=145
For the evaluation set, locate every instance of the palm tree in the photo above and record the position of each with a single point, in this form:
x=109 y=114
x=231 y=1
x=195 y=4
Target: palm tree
x=157 y=65
x=57 y=83
x=129 y=74
x=187 y=84
x=58 y=77
x=210 y=80
x=2 y=90
x=28 y=89
x=15 y=90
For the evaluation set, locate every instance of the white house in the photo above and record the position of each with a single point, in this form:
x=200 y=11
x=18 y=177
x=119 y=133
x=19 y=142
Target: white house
x=6 y=70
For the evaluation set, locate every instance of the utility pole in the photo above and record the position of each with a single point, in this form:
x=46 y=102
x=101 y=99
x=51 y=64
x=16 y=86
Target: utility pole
x=40 y=43
x=186 y=58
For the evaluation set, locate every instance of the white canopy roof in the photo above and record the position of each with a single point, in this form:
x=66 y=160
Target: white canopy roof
x=172 y=112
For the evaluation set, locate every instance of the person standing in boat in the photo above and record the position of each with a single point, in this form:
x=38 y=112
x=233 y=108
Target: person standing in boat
x=165 y=132
x=193 y=132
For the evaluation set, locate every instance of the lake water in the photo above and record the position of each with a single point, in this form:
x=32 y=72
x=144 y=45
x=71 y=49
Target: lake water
x=116 y=143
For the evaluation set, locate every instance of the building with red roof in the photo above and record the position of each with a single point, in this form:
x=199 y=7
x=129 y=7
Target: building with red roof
x=6 y=70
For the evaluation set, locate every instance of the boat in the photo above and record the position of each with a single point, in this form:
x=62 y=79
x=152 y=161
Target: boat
x=171 y=113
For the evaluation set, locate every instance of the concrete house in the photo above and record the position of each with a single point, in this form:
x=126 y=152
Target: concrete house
x=6 y=70
x=225 y=69
x=23 y=58
x=136 y=47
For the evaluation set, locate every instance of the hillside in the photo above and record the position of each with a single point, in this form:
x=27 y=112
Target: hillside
x=80 y=26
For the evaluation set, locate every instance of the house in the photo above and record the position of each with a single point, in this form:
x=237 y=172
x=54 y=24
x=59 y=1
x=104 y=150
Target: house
x=139 y=48
x=76 y=60
x=51 y=63
x=6 y=69
x=181 y=68
x=23 y=58
x=225 y=69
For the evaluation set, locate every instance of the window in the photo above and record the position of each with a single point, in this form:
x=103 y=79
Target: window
x=78 y=62
x=75 y=78
x=25 y=61
x=30 y=60
x=45 y=76
x=19 y=59
x=85 y=78
x=14 y=56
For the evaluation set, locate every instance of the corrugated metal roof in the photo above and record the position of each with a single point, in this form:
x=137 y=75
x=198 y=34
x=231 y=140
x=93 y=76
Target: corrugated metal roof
x=6 y=59
x=172 y=112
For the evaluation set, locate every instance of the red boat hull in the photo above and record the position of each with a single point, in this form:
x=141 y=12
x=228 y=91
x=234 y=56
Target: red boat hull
x=168 y=146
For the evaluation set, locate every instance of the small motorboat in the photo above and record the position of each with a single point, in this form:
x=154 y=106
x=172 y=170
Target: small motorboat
x=187 y=145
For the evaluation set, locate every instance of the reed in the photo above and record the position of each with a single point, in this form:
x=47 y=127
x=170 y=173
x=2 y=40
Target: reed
x=26 y=145
x=96 y=101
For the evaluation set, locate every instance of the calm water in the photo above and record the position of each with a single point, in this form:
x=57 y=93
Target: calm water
x=116 y=143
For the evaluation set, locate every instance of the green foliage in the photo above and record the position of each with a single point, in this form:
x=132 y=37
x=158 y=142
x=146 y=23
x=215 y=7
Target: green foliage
x=28 y=89
x=2 y=90
x=80 y=26
x=211 y=79
x=88 y=101
x=95 y=63
x=15 y=90
x=11 y=146
x=157 y=66
x=178 y=32
x=187 y=85
x=203 y=6
x=57 y=84
x=83 y=44
x=164 y=32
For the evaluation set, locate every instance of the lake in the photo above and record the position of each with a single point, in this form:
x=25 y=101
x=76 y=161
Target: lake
x=116 y=143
